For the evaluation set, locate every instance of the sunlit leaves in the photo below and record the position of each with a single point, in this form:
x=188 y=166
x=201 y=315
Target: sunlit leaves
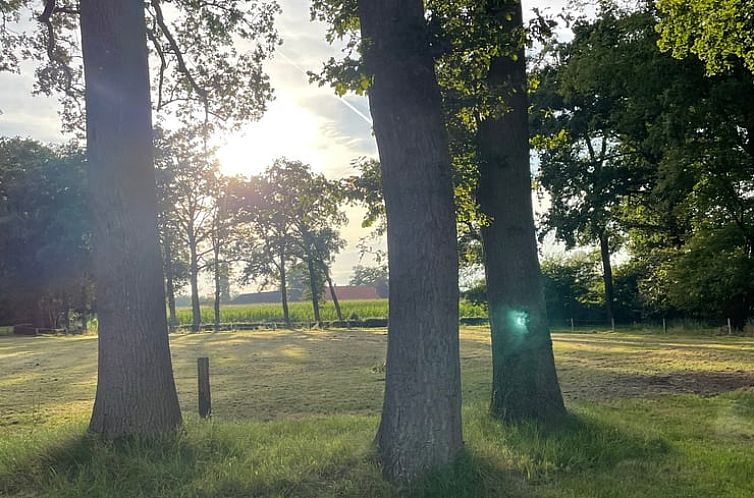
x=719 y=32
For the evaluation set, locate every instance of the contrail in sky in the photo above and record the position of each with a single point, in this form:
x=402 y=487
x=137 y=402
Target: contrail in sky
x=341 y=99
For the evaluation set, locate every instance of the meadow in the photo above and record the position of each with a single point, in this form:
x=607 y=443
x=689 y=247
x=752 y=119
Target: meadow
x=301 y=311
x=294 y=414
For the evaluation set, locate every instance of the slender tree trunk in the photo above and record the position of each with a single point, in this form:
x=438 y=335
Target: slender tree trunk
x=218 y=290
x=314 y=289
x=170 y=286
x=420 y=428
x=196 y=308
x=524 y=380
x=136 y=393
x=84 y=313
x=334 y=296
x=284 y=289
x=607 y=276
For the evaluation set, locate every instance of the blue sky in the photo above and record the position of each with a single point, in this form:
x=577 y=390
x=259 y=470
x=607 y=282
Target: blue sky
x=304 y=122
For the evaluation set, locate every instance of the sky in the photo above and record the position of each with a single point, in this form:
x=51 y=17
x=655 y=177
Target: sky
x=304 y=122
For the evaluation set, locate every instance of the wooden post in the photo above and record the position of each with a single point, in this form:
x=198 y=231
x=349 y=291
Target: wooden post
x=612 y=324
x=572 y=327
x=664 y=326
x=205 y=396
x=730 y=329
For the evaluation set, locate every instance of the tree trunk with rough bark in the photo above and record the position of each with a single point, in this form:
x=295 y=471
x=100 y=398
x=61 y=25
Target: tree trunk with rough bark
x=420 y=428
x=524 y=380
x=136 y=393
x=607 y=277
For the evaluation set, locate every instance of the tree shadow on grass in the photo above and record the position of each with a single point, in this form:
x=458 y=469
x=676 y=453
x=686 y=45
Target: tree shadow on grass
x=315 y=457
x=512 y=460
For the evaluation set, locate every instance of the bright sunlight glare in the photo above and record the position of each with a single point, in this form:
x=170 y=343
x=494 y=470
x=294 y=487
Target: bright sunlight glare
x=286 y=130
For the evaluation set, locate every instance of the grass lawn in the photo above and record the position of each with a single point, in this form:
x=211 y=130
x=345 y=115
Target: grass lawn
x=295 y=412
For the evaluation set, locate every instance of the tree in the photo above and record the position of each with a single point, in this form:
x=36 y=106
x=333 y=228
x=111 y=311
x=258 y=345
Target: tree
x=268 y=247
x=222 y=239
x=524 y=381
x=315 y=216
x=719 y=32
x=201 y=72
x=135 y=387
x=44 y=234
x=373 y=276
x=472 y=48
x=420 y=428
x=593 y=147
x=190 y=177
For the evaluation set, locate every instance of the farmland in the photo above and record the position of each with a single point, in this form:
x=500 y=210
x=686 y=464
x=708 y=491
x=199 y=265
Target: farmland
x=302 y=312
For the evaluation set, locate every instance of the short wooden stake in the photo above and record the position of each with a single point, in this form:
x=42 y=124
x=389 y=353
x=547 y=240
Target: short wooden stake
x=205 y=396
x=612 y=324
x=664 y=327
x=730 y=329
x=572 y=327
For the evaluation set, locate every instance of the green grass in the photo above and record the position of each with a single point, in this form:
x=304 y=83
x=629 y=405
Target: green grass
x=295 y=412
x=302 y=312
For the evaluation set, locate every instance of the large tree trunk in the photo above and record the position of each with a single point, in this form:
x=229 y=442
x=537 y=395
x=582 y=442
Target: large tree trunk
x=136 y=393
x=314 y=289
x=196 y=308
x=170 y=286
x=607 y=277
x=420 y=427
x=284 y=289
x=524 y=381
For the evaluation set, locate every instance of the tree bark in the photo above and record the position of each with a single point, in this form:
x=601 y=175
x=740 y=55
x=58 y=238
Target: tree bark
x=607 y=277
x=284 y=289
x=420 y=428
x=524 y=379
x=136 y=393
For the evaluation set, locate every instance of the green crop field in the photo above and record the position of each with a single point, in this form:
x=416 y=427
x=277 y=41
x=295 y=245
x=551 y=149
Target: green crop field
x=302 y=312
x=295 y=412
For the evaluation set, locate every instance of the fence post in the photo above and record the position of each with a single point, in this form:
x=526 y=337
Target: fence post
x=664 y=326
x=612 y=324
x=730 y=329
x=572 y=327
x=205 y=396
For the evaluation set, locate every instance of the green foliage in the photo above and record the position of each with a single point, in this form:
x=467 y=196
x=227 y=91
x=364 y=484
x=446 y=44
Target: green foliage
x=288 y=214
x=713 y=276
x=719 y=32
x=44 y=231
x=201 y=72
